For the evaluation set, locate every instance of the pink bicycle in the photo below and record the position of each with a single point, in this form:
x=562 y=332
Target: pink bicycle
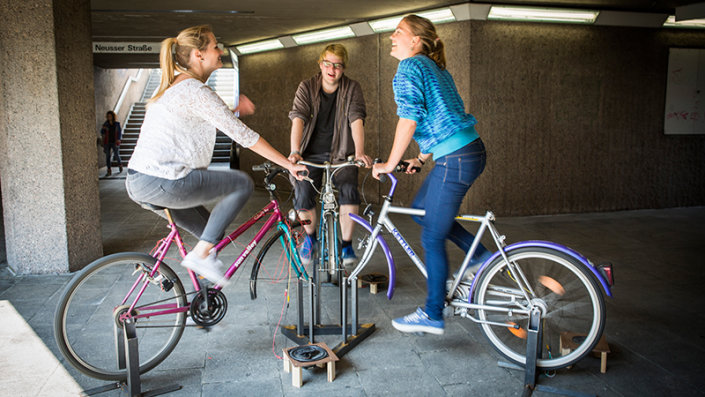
x=143 y=289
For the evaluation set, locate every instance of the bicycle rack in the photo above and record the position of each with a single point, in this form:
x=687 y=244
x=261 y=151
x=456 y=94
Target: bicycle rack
x=533 y=350
x=351 y=334
x=128 y=358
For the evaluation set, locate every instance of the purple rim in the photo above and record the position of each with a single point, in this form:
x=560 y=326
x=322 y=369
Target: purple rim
x=387 y=253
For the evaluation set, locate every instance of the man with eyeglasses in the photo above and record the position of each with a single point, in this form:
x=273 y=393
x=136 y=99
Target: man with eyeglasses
x=327 y=124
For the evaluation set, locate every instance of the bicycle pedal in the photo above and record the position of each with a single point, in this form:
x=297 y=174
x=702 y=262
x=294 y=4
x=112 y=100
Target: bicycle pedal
x=419 y=333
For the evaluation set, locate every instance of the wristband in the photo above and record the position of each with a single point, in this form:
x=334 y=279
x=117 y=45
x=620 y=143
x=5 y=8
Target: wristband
x=421 y=161
x=294 y=152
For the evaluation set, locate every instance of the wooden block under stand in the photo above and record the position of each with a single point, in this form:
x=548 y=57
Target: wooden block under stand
x=373 y=279
x=295 y=367
x=601 y=349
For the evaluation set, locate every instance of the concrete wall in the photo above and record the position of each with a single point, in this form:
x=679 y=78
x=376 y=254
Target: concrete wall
x=50 y=205
x=108 y=84
x=572 y=115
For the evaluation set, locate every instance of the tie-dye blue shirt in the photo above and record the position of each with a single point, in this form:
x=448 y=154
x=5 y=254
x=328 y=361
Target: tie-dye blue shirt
x=426 y=94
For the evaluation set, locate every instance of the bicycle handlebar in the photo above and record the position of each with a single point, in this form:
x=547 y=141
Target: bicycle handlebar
x=357 y=163
x=401 y=167
x=270 y=170
x=329 y=166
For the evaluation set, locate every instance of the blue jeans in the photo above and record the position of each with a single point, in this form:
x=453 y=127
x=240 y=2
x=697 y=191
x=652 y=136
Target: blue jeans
x=185 y=198
x=441 y=194
x=116 y=154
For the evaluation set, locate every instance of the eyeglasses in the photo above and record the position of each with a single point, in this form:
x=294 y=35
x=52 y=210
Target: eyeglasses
x=327 y=64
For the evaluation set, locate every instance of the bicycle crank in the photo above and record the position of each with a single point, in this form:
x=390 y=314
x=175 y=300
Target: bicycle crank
x=211 y=312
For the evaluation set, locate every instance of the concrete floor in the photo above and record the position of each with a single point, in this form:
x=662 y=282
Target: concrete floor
x=655 y=325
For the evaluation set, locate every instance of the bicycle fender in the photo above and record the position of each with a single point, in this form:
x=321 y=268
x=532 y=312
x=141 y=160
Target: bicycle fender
x=387 y=252
x=547 y=244
x=298 y=268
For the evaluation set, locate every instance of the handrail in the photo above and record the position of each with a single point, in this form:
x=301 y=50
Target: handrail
x=126 y=88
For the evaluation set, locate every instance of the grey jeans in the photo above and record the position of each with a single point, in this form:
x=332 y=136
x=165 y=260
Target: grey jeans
x=186 y=197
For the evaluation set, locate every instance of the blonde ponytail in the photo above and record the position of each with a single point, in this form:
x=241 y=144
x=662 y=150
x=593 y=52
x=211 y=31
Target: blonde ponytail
x=175 y=53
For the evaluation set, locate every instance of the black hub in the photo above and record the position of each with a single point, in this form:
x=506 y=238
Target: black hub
x=119 y=311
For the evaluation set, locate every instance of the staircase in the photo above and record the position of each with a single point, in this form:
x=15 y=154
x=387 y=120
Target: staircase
x=131 y=129
x=221 y=81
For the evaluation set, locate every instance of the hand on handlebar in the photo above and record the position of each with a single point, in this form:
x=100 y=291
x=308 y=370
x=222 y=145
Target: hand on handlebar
x=365 y=159
x=412 y=166
x=299 y=171
x=381 y=168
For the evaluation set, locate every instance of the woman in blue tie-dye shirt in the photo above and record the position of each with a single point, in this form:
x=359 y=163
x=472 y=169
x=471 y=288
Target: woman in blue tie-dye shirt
x=431 y=111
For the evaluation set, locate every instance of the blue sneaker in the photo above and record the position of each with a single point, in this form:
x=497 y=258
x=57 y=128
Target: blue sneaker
x=307 y=249
x=348 y=256
x=418 y=321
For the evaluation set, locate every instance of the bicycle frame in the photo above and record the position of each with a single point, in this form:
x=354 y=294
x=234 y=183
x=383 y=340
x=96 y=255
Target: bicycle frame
x=486 y=224
x=329 y=205
x=275 y=218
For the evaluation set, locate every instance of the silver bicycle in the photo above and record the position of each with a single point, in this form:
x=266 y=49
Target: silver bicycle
x=329 y=257
x=519 y=283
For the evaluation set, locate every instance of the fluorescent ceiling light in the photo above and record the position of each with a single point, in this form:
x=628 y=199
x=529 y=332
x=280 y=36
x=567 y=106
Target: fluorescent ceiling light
x=323 y=35
x=260 y=46
x=541 y=14
x=440 y=15
x=690 y=23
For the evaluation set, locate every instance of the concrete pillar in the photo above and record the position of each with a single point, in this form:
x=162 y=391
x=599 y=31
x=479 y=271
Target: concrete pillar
x=50 y=199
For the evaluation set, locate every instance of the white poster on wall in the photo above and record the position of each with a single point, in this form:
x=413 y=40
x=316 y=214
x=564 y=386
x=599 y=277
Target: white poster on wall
x=685 y=92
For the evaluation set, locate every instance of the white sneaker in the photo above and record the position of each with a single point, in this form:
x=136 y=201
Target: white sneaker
x=208 y=267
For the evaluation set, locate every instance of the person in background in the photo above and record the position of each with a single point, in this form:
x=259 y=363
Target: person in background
x=169 y=165
x=112 y=134
x=327 y=124
x=431 y=111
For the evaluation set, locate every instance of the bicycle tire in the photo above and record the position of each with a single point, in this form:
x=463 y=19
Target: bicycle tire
x=331 y=244
x=85 y=323
x=562 y=285
x=273 y=258
x=379 y=255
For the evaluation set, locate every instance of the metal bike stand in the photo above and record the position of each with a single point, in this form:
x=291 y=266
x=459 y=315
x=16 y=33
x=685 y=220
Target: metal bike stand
x=351 y=334
x=533 y=350
x=128 y=358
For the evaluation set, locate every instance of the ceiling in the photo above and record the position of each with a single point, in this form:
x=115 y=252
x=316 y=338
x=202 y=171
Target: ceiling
x=245 y=21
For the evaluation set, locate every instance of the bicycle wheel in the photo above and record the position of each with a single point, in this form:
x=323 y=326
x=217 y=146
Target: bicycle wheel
x=570 y=301
x=86 y=322
x=331 y=244
x=272 y=262
x=376 y=259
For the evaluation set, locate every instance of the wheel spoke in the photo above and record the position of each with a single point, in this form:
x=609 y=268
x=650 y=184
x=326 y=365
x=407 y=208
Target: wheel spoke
x=564 y=292
x=88 y=315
